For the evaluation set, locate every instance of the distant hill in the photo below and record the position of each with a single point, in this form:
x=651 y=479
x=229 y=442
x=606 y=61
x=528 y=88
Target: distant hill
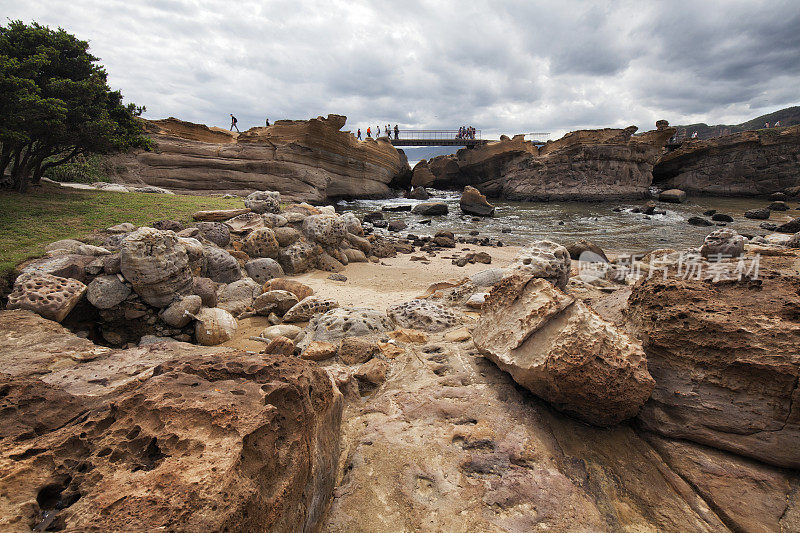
x=787 y=117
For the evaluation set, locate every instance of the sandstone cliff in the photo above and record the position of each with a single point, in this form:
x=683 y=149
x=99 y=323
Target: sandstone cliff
x=305 y=160
x=582 y=165
x=749 y=163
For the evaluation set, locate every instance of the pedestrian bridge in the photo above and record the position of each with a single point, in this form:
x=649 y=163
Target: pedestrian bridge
x=443 y=138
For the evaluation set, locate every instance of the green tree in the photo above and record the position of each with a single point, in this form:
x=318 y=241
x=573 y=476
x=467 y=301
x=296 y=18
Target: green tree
x=55 y=104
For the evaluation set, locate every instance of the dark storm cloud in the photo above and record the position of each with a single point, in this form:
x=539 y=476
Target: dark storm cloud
x=505 y=67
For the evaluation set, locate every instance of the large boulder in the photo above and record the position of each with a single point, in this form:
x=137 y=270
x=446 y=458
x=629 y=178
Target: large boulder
x=198 y=443
x=674 y=196
x=722 y=243
x=238 y=296
x=474 y=203
x=545 y=259
x=562 y=351
x=430 y=209
x=156 y=264
x=263 y=202
x=725 y=360
x=181 y=312
x=793 y=226
x=585 y=250
x=758 y=214
x=49 y=296
x=308 y=307
x=342 y=322
x=328 y=230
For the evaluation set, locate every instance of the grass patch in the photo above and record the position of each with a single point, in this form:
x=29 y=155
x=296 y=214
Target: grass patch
x=30 y=221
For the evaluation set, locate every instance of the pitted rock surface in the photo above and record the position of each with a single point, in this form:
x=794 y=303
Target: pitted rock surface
x=278 y=302
x=261 y=243
x=49 y=296
x=299 y=257
x=563 y=352
x=308 y=307
x=342 y=322
x=156 y=264
x=328 y=230
x=263 y=269
x=263 y=202
x=423 y=315
x=547 y=260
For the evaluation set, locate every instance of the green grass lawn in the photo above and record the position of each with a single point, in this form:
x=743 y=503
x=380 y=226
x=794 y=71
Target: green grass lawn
x=48 y=213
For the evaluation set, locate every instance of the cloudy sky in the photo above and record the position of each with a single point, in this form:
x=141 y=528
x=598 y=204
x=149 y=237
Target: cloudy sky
x=504 y=66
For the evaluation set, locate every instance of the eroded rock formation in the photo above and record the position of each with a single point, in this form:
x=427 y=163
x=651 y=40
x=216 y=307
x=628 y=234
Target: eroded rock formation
x=304 y=160
x=582 y=165
x=725 y=360
x=749 y=163
x=170 y=437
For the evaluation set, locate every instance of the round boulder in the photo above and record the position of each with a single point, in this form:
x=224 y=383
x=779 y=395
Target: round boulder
x=722 y=243
x=156 y=264
x=263 y=269
x=261 y=243
x=264 y=202
x=105 y=292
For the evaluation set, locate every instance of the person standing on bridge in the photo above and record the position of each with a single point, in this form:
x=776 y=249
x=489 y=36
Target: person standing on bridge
x=396 y=132
x=359 y=134
x=233 y=123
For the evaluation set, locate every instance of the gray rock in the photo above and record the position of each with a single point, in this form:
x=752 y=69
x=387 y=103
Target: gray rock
x=325 y=229
x=277 y=301
x=423 y=315
x=263 y=269
x=182 y=311
x=105 y=292
x=758 y=214
x=336 y=324
x=238 y=296
x=722 y=243
x=430 y=209
x=125 y=227
x=308 y=307
x=263 y=202
x=287 y=236
x=488 y=278
x=156 y=264
x=272 y=220
x=221 y=266
x=206 y=289
x=299 y=257
x=675 y=196
x=216 y=232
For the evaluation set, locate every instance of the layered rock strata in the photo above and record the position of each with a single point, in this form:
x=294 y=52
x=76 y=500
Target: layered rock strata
x=582 y=165
x=304 y=160
x=749 y=163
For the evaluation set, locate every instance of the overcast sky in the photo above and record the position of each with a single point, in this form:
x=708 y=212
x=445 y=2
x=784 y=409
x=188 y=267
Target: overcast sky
x=502 y=66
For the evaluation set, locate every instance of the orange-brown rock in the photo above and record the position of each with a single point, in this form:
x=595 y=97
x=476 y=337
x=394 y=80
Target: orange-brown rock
x=422 y=176
x=170 y=437
x=582 y=165
x=748 y=163
x=304 y=160
x=725 y=360
x=562 y=351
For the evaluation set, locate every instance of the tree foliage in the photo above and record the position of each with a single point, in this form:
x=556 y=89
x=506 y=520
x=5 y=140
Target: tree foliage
x=55 y=103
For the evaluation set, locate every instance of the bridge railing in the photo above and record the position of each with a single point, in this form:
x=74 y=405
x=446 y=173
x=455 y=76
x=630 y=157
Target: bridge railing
x=434 y=135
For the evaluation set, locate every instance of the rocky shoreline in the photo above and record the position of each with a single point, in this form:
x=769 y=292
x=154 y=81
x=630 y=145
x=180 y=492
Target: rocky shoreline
x=280 y=367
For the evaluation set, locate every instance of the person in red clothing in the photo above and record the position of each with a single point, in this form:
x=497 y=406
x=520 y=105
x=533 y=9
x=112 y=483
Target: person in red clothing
x=369 y=132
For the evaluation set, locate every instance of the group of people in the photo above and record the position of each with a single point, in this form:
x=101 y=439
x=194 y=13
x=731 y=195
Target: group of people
x=466 y=132
x=387 y=130
x=777 y=124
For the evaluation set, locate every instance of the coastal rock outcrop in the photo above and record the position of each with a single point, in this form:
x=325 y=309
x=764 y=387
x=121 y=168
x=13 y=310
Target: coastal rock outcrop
x=303 y=160
x=156 y=264
x=748 y=163
x=474 y=203
x=562 y=351
x=725 y=360
x=582 y=165
x=167 y=437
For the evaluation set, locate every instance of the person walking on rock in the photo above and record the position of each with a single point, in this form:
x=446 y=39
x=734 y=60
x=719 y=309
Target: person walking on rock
x=378 y=134
x=359 y=134
x=267 y=120
x=369 y=132
x=233 y=123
